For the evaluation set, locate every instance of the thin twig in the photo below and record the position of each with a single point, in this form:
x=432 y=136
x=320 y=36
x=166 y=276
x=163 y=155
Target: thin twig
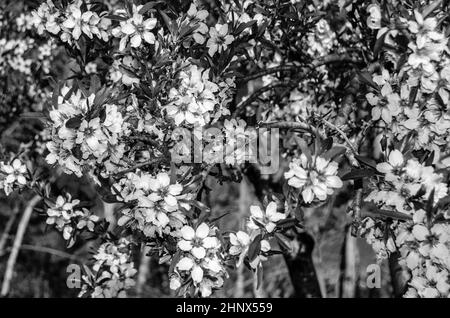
x=144 y=269
x=48 y=250
x=343 y=135
x=335 y=58
x=139 y=165
x=17 y=243
x=271 y=70
x=8 y=228
x=254 y=96
x=286 y=125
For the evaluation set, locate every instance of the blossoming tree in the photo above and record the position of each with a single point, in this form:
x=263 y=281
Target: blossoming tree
x=355 y=93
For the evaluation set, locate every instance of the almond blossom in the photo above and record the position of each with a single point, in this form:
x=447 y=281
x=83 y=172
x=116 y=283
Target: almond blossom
x=219 y=39
x=315 y=178
x=14 y=175
x=135 y=30
x=268 y=219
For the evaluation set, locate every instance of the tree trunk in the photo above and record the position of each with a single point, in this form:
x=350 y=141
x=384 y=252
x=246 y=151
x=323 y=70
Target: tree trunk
x=301 y=269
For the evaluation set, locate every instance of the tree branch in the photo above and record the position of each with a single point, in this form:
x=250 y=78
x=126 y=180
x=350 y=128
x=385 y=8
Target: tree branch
x=17 y=243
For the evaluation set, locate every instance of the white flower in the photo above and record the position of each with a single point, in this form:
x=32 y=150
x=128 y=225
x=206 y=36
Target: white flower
x=14 y=175
x=163 y=190
x=239 y=242
x=394 y=164
x=113 y=271
x=199 y=17
x=80 y=22
x=15 y=172
x=197 y=242
x=316 y=178
x=219 y=39
x=135 y=30
x=267 y=219
x=185 y=109
x=91 y=134
x=386 y=107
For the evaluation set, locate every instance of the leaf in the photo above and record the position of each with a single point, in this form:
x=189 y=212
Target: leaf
x=286 y=223
x=413 y=95
x=199 y=205
x=244 y=26
x=334 y=152
x=429 y=206
x=366 y=77
x=95 y=84
x=283 y=241
x=379 y=44
x=116 y=17
x=430 y=159
x=358 y=174
x=100 y=97
x=259 y=276
x=366 y=161
x=254 y=248
x=175 y=259
x=37 y=115
x=148 y=6
x=55 y=95
x=430 y=8
x=393 y=215
x=303 y=147
x=219 y=217
x=74 y=122
x=326 y=144
x=168 y=22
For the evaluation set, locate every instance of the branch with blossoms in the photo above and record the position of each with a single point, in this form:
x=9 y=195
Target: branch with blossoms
x=155 y=101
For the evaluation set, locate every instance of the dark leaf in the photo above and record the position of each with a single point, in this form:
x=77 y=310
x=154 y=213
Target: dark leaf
x=283 y=241
x=255 y=247
x=286 y=223
x=74 y=122
x=358 y=174
x=334 y=152
x=366 y=161
x=366 y=77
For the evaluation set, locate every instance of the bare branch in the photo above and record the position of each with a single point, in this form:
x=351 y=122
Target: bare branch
x=17 y=243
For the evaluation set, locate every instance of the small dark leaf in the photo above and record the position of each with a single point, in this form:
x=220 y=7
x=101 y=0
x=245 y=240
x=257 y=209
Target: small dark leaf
x=334 y=152
x=74 y=122
x=358 y=174
x=366 y=161
x=379 y=44
x=366 y=77
x=283 y=241
x=286 y=223
x=255 y=247
x=37 y=115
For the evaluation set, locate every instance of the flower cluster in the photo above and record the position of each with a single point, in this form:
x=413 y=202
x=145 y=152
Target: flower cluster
x=68 y=218
x=415 y=98
x=321 y=40
x=199 y=259
x=260 y=228
x=70 y=24
x=424 y=245
x=134 y=29
x=198 y=100
x=158 y=208
x=113 y=272
x=315 y=177
x=404 y=181
x=374 y=232
x=85 y=134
